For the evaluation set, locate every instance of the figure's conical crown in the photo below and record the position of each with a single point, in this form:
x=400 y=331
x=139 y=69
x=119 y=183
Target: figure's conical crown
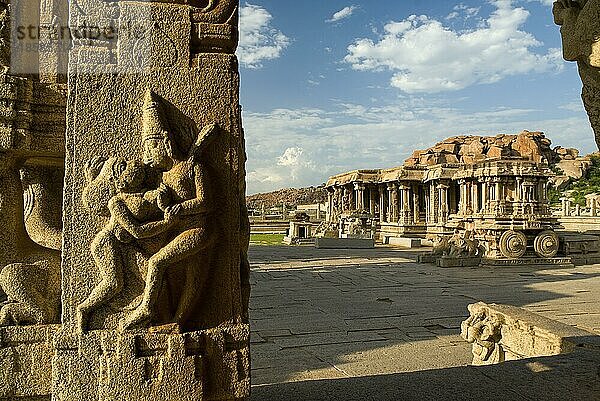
x=154 y=122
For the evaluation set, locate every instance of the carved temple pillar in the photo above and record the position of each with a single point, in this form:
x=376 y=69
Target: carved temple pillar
x=382 y=204
x=462 y=203
x=395 y=203
x=345 y=199
x=164 y=89
x=390 y=203
x=474 y=197
x=519 y=189
x=330 y=197
x=499 y=191
x=443 y=203
x=435 y=200
x=32 y=148
x=416 y=212
x=359 y=189
x=484 y=196
x=372 y=201
x=404 y=204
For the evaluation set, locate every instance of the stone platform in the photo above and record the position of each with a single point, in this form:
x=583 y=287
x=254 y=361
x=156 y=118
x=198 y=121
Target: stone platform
x=344 y=243
x=404 y=242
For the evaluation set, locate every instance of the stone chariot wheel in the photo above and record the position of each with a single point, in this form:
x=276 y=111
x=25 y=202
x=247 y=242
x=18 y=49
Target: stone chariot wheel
x=513 y=244
x=546 y=244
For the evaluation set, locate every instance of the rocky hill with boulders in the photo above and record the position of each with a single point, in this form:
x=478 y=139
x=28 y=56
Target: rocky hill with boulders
x=289 y=196
x=565 y=162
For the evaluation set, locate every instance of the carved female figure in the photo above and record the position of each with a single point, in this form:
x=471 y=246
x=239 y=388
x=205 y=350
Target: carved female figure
x=189 y=184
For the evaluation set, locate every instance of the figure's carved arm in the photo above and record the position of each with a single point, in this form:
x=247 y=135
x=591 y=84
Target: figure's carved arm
x=121 y=213
x=202 y=202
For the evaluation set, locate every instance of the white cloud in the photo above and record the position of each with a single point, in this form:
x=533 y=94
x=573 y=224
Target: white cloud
x=426 y=56
x=297 y=148
x=259 y=40
x=463 y=10
x=344 y=13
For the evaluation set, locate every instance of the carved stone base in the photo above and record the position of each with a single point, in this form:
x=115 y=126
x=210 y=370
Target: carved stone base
x=427 y=258
x=467 y=261
x=564 y=262
x=26 y=362
x=155 y=364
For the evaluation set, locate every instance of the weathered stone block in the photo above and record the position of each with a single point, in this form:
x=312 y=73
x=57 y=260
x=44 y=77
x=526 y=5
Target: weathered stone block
x=463 y=261
x=26 y=362
x=154 y=365
x=502 y=332
x=405 y=242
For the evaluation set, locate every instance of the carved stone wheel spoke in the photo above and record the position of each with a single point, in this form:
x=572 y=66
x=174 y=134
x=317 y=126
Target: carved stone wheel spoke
x=546 y=244
x=513 y=244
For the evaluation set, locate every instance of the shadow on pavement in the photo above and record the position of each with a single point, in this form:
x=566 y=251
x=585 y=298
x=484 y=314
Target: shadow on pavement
x=571 y=377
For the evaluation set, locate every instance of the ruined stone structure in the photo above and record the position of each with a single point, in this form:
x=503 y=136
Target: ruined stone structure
x=494 y=203
x=131 y=282
x=502 y=333
x=580 y=31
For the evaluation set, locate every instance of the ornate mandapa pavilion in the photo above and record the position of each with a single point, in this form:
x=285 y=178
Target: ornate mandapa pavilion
x=501 y=201
x=420 y=200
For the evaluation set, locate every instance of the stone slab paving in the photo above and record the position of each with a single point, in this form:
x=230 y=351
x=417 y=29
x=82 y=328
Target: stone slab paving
x=340 y=314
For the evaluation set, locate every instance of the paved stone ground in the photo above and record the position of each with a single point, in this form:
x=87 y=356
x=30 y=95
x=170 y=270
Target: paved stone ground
x=346 y=314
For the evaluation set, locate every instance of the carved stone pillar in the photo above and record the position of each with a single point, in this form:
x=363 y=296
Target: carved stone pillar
x=462 y=202
x=330 y=197
x=434 y=194
x=443 y=203
x=395 y=203
x=519 y=189
x=390 y=203
x=346 y=200
x=566 y=206
x=166 y=319
x=382 y=204
x=359 y=189
x=484 y=196
x=579 y=32
x=499 y=191
x=372 y=201
x=427 y=205
x=415 y=216
x=474 y=197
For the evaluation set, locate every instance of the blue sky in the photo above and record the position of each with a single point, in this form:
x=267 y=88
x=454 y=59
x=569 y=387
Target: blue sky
x=331 y=86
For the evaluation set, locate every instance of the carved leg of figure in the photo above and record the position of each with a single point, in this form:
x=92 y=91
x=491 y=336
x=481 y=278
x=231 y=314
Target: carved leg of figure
x=185 y=245
x=108 y=260
x=24 y=284
x=196 y=275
